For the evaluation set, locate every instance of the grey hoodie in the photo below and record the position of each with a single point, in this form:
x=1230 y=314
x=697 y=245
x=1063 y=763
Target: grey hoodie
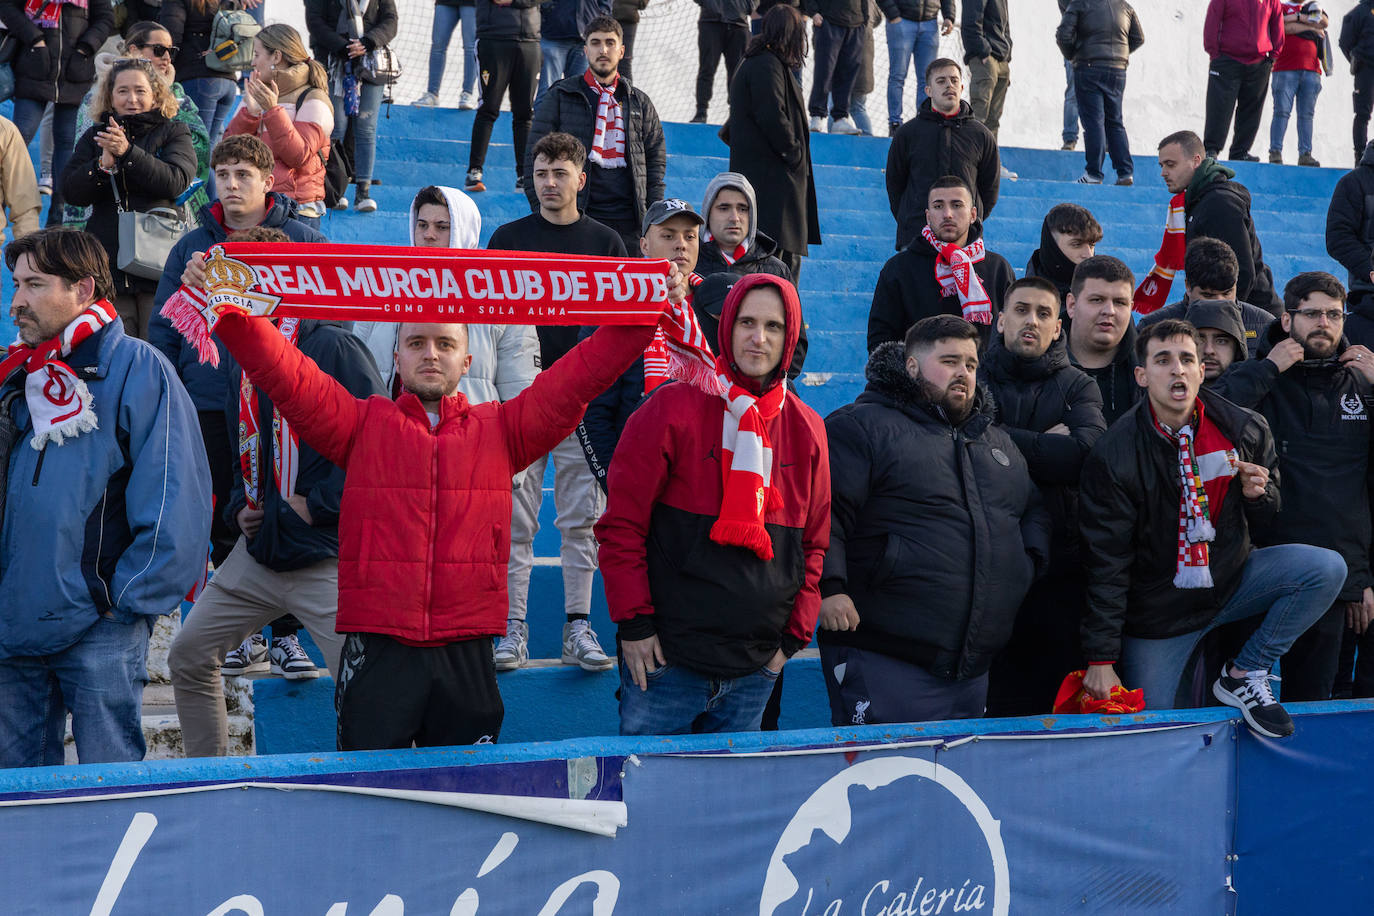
x=737 y=182
x=1222 y=315
x=505 y=358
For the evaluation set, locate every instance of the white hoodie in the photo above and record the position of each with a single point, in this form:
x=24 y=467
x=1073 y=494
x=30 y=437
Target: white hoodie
x=505 y=357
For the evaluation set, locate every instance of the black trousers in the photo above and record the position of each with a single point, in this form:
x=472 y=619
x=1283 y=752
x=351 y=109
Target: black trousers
x=1364 y=103
x=1044 y=647
x=506 y=66
x=1308 y=668
x=390 y=695
x=714 y=40
x=629 y=28
x=1233 y=87
x=839 y=52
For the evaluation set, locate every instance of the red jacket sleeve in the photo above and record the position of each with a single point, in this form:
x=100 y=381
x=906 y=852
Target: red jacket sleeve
x=801 y=625
x=548 y=411
x=323 y=412
x=242 y=123
x=1211 y=29
x=638 y=476
x=1276 y=34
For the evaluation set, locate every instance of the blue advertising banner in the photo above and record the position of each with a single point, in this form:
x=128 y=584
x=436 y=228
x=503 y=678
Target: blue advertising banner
x=1123 y=821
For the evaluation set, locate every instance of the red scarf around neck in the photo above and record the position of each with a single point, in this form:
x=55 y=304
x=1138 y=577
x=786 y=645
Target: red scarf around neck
x=1206 y=464
x=286 y=448
x=956 y=276
x=608 y=138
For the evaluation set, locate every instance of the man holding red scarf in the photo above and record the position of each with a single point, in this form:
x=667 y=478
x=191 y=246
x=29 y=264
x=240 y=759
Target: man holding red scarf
x=105 y=501
x=1166 y=502
x=716 y=525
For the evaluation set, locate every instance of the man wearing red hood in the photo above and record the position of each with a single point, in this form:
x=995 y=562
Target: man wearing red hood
x=716 y=525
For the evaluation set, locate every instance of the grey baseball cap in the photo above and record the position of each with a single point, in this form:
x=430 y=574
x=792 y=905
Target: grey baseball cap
x=665 y=210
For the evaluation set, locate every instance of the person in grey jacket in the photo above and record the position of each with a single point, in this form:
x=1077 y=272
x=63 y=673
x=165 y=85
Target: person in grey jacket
x=1099 y=36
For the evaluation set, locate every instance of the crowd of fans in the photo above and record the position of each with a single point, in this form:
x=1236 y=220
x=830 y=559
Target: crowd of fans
x=1055 y=473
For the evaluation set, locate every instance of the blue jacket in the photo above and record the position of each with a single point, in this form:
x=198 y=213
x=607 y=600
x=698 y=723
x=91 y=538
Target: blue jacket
x=207 y=385
x=116 y=519
x=563 y=20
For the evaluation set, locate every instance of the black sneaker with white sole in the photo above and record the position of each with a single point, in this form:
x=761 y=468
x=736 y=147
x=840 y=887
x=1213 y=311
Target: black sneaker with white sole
x=1254 y=698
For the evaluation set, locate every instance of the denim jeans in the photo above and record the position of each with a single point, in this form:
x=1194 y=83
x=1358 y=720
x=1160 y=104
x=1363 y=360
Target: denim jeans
x=858 y=111
x=1099 y=91
x=446 y=19
x=680 y=702
x=1070 y=105
x=364 y=129
x=215 y=99
x=1304 y=86
x=908 y=42
x=839 y=52
x=99 y=679
x=562 y=57
x=1292 y=585
x=28 y=114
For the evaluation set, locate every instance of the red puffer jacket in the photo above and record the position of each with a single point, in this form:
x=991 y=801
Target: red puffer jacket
x=424 y=526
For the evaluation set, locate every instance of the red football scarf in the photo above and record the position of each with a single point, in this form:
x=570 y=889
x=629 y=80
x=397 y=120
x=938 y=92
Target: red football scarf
x=1154 y=289
x=659 y=356
x=383 y=283
x=608 y=139
x=47 y=14
x=60 y=405
x=1206 y=464
x=733 y=256
x=286 y=448
x=954 y=272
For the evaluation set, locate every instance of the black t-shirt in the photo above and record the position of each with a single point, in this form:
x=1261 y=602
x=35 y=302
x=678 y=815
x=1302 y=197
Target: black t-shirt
x=610 y=192
x=534 y=233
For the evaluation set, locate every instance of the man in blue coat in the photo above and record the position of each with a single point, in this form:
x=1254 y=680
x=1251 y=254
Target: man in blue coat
x=106 y=512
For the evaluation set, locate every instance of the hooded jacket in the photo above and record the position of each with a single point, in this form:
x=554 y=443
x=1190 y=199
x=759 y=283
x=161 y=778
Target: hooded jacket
x=1247 y=31
x=208 y=385
x=64 y=68
x=114 y=520
x=1050 y=263
x=1099 y=33
x=297 y=131
x=1357 y=36
x=929 y=147
x=1254 y=322
x=505 y=357
x=1350 y=231
x=1128 y=511
x=1031 y=396
x=986 y=30
x=1117 y=381
x=937 y=530
x=758 y=254
x=1220 y=315
x=907 y=290
x=717 y=610
x=1217 y=207
x=286 y=541
x=424 y=524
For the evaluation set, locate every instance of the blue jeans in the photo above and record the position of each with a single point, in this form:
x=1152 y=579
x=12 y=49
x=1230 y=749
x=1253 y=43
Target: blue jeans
x=28 y=114
x=680 y=702
x=858 y=110
x=1070 y=105
x=364 y=129
x=562 y=57
x=1292 y=585
x=215 y=99
x=1305 y=86
x=99 y=679
x=908 y=42
x=446 y=19
x=1099 y=91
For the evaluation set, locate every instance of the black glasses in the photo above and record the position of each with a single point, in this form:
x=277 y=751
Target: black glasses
x=160 y=50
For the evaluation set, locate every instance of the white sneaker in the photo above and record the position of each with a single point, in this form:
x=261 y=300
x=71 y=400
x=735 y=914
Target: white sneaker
x=45 y=186
x=428 y=100
x=513 y=649
x=290 y=661
x=1008 y=174
x=468 y=101
x=845 y=126
x=580 y=647
x=818 y=125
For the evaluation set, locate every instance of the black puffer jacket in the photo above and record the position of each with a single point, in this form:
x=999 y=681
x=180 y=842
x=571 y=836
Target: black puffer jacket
x=63 y=70
x=159 y=164
x=1217 y=207
x=1128 y=510
x=189 y=27
x=328 y=41
x=936 y=531
x=918 y=10
x=1033 y=395
x=518 y=22
x=1350 y=223
x=986 y=29
x=931 y=146
x=759 y=259
x=1100 y=33
x=568 y=106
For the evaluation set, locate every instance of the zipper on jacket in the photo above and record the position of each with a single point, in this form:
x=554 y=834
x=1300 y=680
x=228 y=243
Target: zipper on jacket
x=38 y=468
x=433 y=524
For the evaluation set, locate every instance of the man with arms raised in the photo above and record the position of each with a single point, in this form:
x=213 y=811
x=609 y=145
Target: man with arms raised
x=1101 y=332
x=1166 y=503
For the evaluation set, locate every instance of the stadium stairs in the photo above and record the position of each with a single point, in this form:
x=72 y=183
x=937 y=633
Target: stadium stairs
x=417 y=147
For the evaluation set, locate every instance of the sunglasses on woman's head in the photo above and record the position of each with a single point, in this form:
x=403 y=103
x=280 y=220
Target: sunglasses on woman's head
x=160 y=50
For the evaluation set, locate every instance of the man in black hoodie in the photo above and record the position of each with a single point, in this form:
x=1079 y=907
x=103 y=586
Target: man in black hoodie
x=943 y=139
x=1101 y=332
x=915 y=282
x=1053 y=413
x=286 y=505
x=1350 y=232
x=1068 y=237
x=1217 y=207
x=936 y=533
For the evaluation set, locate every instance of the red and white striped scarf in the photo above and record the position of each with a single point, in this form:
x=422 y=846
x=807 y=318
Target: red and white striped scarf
x=60 y=405
x=1206 y=464
x=286 y=449
x=608 y=139
x=1154 y=289
x=659 y=356
x=732 y=256
x=956 y=276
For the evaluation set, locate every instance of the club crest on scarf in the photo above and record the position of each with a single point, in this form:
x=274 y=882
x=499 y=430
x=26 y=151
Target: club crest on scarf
x=956 y=276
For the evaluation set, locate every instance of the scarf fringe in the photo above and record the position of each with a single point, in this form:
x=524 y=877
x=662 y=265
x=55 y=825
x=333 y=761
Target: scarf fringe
x=752 y=535
x=1201 y=530
x=84 y=422
x=695 y=372
x=1193 y=577
x=187 y=316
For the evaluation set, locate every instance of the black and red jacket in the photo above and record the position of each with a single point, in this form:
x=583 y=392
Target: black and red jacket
x=717 y=610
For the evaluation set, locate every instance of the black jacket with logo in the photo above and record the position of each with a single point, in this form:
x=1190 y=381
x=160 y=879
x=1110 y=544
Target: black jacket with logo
x=936 y=531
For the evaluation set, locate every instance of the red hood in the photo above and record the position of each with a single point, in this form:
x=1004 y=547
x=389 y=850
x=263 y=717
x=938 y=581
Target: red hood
x=791 y=307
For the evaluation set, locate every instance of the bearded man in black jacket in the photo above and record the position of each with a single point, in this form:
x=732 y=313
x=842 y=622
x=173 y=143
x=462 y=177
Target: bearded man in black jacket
x=1053 y=412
